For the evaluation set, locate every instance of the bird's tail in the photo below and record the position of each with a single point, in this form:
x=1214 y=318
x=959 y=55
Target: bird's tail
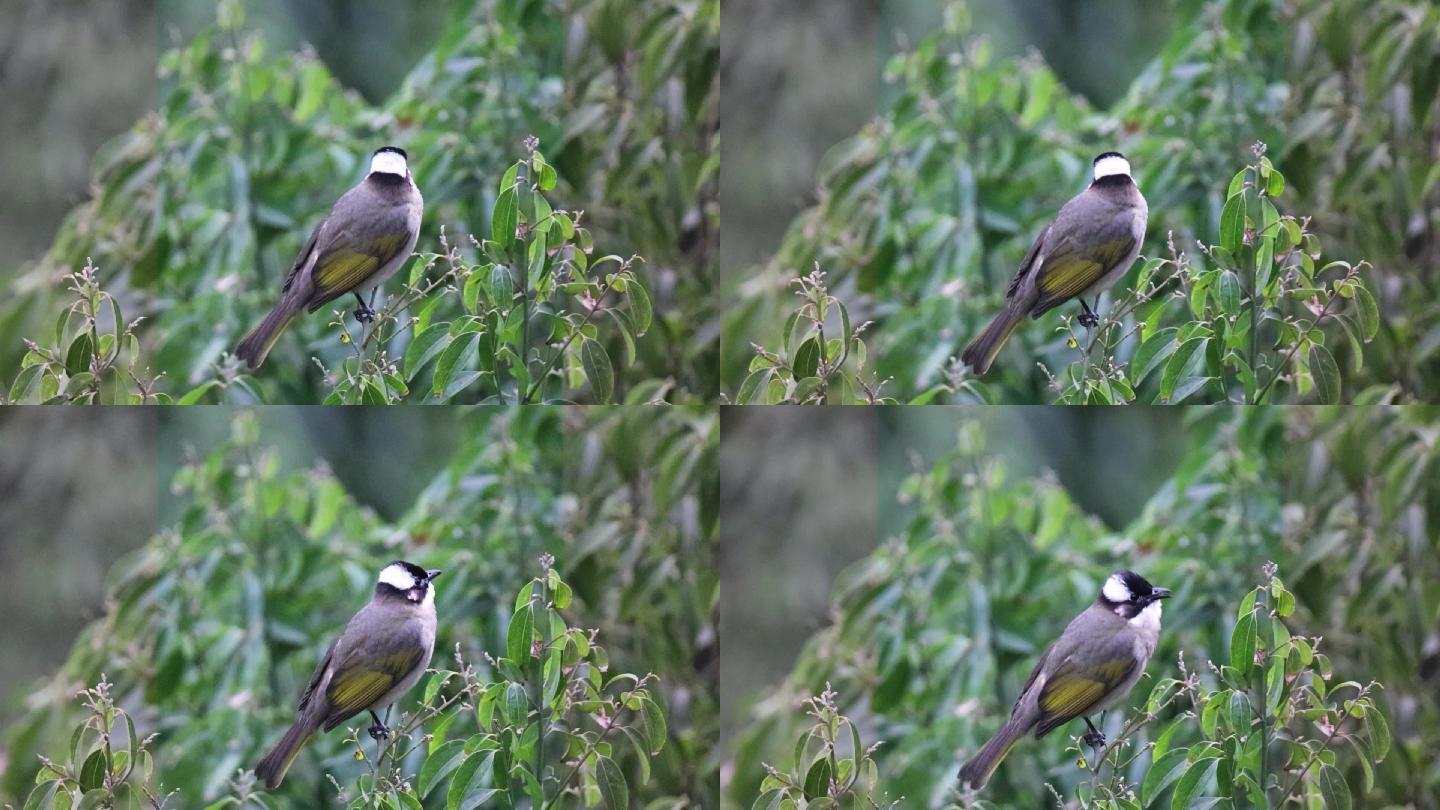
x=256 y=345
x=273 y=767
x=976 y=772
x=981 y=351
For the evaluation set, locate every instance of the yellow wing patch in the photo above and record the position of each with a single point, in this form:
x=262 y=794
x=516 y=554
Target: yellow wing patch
x=1073 y=692
x=1068 y=275
x=354 y=690
x=346 y=265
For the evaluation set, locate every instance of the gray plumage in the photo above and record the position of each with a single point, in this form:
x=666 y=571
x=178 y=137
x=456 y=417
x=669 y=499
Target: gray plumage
x=366 y=238
x=378 y=657
x=1091 y=667
x=1092 y=242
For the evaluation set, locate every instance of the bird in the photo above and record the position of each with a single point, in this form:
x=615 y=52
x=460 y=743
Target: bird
x=377 y=658
x=1091 y=667
x=366 y=238
x=1092 y=242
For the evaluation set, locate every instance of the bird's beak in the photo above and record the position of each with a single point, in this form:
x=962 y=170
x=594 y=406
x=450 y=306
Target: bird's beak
x=1160 y=593
x=435 y=572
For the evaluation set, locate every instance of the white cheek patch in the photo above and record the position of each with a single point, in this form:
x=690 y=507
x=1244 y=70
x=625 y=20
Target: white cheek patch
x=1115 y=589
x=1148 y=618
x=397 y=577
x=1105 y=167
x=389 y=163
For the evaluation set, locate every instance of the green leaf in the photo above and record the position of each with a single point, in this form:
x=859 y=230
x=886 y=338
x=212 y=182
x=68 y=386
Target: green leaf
x=656 y=732
x=546 y=172
x=1379 y=730
x=195 y=394
x=1151 y=353
x=1275 y=184
x=807 y=358
x=1333 y=788
x=1237 y=183
x=1325 y=373
x=449 y=360
x=1192 y=783
x=92 y=773
x=1369 y=314
x=1242 y=645
x=470 y=293
x=596 y=362
x=504 y=219
x=424 y=348
x=1229 y=292
x=1183 y=370
x=440 y=764
x=1163 y=773
x=464 y=773
x=520 y=635
x=1232 y=224
x=818 y=777
x=640 y=311
x=77 y=358
x=613 y=790
x=1274 y=685
x=754 y=386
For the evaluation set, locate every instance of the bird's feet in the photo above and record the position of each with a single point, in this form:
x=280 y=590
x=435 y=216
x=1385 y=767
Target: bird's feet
x=364 y=313
x=1095 y=739
x=1087 y=318
x=379 y=732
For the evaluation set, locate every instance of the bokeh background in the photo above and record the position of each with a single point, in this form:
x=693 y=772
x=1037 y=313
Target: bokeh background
x=76 y=74
x=79 y=495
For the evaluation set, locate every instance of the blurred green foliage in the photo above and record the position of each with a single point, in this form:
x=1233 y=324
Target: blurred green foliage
x=922 y=217
x=213 y=628
x=79 y=494
x=932 y=635
x=200 y=208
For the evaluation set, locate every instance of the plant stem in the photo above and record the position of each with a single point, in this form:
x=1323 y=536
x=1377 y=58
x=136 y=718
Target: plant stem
x=1260 y=398
x=535 y=384
x=1254 y=302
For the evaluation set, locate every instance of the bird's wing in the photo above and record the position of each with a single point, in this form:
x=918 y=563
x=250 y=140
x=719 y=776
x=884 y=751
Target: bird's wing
x=1039 y=665
x=1064 y=276
x=352 y=257
x=309 y=693
x=1017 y=283
x=369 y=670
x=1081 y=679
x=304 y=258
x=1080 y=249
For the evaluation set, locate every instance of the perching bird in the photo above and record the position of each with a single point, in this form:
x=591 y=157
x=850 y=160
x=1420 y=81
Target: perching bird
x=379 y=656
x=1090 y=668
x=368 y=236
x=1092 y=242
